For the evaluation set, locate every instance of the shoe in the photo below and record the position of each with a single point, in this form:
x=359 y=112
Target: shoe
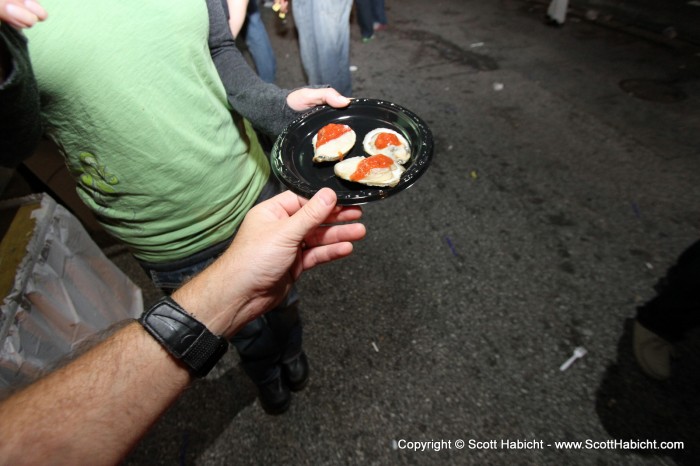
x=296 y=372
x=653 y=353
x=274 y=396
x=549 y=21
x=367 y=39
x=380 y=27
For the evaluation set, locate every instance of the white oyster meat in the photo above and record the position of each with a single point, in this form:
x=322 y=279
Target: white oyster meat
x=376 y=170
x=388 y=142
x=332 y=142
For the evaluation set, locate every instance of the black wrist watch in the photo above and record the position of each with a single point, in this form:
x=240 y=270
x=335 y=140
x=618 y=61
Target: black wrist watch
x=187 y=339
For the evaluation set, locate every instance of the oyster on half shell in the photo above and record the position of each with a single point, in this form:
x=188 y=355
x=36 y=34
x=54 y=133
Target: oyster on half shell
x=332 y=142
x=387 y=142
x=376 y=170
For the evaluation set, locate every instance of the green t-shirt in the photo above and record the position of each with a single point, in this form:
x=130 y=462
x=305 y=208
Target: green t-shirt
x=131 y=96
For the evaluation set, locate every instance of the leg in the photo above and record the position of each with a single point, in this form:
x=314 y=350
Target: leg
x=365 y=18
x=260 y=48
x=557 y=10
x=676 y=307
x=259 y=350
x=304 y=19
x=379 y=12
x=673 y=311
x=324 y=41
x=334 y=42
x=287 y=325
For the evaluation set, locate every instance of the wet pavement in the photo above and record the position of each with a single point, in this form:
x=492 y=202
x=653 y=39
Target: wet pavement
x=565 y=180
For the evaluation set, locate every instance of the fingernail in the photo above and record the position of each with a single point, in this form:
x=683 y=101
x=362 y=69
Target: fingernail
x=35 y=8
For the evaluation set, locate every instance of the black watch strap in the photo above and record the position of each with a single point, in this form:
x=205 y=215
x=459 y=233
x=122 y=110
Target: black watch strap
x=183 y=336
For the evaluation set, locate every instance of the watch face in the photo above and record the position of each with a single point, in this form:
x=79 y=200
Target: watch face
x=187 y=339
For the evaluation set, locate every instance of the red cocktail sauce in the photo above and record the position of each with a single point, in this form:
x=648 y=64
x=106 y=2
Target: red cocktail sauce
x=375 y=161
x=330 y=132
x=386 y=139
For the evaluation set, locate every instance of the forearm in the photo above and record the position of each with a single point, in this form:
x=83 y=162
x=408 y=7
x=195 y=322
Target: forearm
x=95 y=409
x=237 y=10
x=263 y=104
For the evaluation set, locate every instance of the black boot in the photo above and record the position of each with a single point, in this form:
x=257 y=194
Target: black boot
x=274 y=396
x=296 y=372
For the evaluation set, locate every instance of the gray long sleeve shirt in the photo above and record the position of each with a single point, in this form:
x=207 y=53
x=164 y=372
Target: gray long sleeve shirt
x=263 y=104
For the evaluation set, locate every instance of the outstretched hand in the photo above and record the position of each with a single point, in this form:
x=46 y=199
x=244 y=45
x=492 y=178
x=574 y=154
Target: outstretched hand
x=307 y=98
x=21 y=13
x=278 y=240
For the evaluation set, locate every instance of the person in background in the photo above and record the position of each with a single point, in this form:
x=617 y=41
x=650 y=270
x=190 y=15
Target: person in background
x=324 y=40
x=556 y=12
x=665 y=319
x=166 y=154
x=95 y=409
x=371 y=16
x=244 y=17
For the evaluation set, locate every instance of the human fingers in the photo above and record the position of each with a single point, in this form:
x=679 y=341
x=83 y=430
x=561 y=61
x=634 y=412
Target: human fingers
x=310 y=258
x=312 y=214
x=306 y=98
x=323 y=236
x=287 y=204
x=344 y=214
x=282 y=205
x=333 y=98
x=37 y=9
x=18 y=15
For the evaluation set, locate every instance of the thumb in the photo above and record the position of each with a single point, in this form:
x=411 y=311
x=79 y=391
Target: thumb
x=334 y=99
x=313 y=214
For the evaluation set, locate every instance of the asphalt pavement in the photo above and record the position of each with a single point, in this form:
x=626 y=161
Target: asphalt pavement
x=565 y=180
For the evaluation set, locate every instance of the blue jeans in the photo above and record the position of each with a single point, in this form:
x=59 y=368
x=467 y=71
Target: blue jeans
x=324 y=41
x=259 y=46
x=263 y=343
x=370 y=12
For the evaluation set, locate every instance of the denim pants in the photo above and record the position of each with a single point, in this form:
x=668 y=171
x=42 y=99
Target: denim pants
x=370 y=12
x=259 y=46
x=263 y=343
x=324 y=41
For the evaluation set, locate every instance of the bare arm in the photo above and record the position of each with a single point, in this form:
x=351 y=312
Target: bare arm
x=94 y=410
x=237 y=10
x=103 y=402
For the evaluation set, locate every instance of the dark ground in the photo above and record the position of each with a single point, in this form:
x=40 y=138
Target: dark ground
x=551 y=208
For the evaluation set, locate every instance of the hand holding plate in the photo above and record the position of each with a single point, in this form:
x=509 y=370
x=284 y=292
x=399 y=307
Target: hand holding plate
x=307 y=98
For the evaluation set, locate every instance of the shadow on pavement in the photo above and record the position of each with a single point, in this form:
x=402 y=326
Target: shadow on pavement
x=633 y=407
